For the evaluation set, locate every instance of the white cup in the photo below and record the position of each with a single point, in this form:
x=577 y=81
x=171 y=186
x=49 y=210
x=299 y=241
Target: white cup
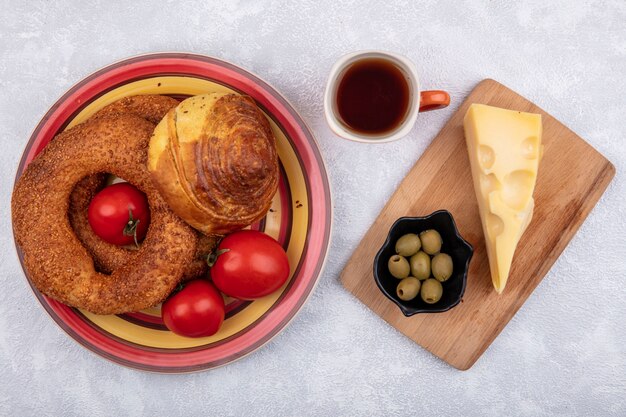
x=419 y=101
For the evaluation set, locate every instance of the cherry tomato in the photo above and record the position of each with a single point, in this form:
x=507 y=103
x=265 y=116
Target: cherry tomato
x=195 y=311
x=249 y=265
x=119 y=214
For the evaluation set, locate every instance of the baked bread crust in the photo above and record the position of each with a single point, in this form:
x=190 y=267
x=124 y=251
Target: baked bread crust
x=214 y=160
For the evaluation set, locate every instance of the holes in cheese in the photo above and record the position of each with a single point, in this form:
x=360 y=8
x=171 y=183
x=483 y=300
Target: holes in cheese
x=518 y=189
x=489 y=183
x=495 y=225
x=530 y=148
x=486 y=157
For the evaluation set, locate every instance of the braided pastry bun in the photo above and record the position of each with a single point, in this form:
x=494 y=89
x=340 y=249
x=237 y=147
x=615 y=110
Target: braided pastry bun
x=213 y=158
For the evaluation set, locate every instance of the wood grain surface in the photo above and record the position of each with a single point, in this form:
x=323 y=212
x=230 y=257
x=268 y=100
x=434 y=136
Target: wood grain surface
x=572 y=177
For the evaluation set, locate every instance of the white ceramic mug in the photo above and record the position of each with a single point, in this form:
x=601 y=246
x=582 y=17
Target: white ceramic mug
x=419 y=101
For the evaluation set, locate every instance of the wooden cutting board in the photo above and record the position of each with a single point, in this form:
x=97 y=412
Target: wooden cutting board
x=572 y=177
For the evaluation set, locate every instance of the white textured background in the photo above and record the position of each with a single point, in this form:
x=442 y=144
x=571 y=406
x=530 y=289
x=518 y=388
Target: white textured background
x=563 y=354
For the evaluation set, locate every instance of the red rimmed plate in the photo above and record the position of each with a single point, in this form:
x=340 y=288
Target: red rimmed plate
x=300 y=217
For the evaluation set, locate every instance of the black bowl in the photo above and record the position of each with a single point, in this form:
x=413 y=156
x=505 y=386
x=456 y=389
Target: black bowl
x=453 y=244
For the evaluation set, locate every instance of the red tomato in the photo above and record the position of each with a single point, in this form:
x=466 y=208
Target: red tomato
x=119 y=214
x=195 y=311
x=249 y=265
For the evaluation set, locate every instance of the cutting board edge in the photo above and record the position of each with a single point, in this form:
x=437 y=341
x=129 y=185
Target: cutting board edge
x=458 y=367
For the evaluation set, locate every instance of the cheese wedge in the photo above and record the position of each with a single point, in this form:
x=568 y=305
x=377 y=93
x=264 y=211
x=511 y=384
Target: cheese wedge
x=504 y=151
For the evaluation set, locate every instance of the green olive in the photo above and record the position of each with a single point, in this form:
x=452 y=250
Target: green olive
x=442 y=266
x=408 y=245
x=431 y=291
x=420 y=265
x=408 y=288
x=431 y=241
x=399 y=266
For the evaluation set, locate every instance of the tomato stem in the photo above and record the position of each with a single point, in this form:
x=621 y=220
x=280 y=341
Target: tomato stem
x=212 y=257
x=131 y=227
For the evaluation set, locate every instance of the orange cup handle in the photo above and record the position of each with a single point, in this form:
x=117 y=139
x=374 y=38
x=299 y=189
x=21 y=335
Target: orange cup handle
x=433 y=100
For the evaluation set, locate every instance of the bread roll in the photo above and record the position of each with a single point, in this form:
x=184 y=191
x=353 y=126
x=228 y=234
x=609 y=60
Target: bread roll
x=214 y=160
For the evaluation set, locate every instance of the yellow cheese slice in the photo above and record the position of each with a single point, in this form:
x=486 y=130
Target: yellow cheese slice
x=504 y=150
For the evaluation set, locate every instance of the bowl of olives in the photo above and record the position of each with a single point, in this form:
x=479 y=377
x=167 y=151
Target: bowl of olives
x=422 y=266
